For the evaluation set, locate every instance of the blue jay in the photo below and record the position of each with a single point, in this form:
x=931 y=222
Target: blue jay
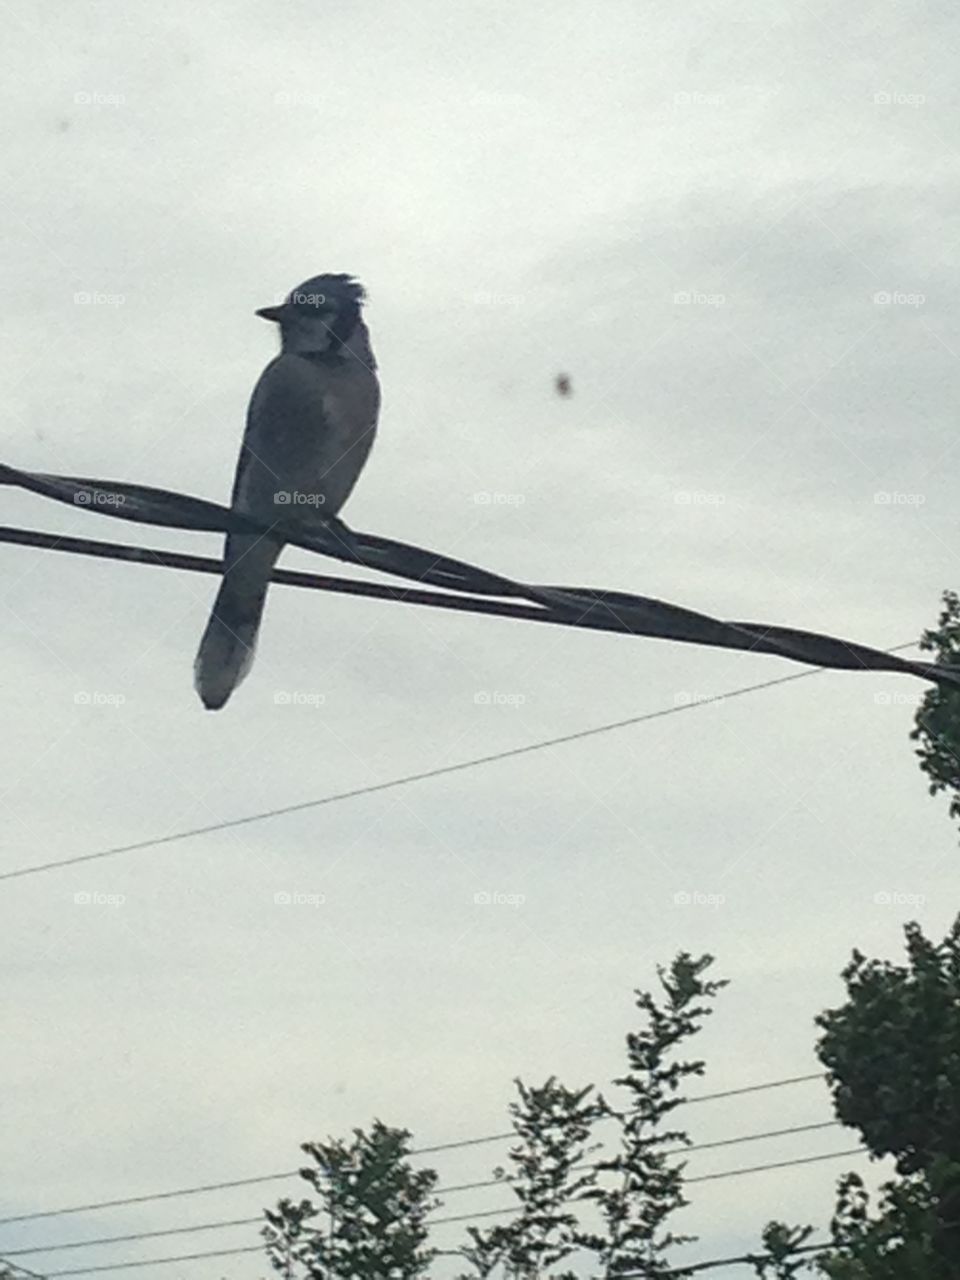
x=310 y=425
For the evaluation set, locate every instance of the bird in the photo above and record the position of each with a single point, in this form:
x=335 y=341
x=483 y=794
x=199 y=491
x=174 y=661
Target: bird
x=310 y=426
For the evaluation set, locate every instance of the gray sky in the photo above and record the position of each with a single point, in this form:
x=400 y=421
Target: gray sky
x=522 y=191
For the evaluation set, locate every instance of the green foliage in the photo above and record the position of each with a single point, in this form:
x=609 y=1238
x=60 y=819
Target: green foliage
x=937 y=722
x=647 y=1186
x=893 y=1051
x=782 y=1244
x=904 y=1242
x=633 y=1192
x=373 y=1205
x=553 y=1124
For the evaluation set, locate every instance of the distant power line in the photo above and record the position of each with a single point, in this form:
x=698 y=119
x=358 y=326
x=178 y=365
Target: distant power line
x=440 y=1191
x=420 y=1151
x=473 y=1217
x=154 y=842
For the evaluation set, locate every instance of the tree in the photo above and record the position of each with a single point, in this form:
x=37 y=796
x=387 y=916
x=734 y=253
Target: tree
x=553 y=1124
x=375 y=1205
x=636 y=1190
x=892 y=1053
x=937 y=722
x=648 y=1187
x=371 y=1219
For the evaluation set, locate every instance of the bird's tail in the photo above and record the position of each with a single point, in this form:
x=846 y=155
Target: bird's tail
x=227 y=648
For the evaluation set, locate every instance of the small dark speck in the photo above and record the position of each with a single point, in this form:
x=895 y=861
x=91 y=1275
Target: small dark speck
x=562 y=385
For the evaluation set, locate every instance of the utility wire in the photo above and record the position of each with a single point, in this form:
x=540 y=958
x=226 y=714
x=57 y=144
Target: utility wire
x=579 y=606
x=420 y=1151
x=440 y=1191
x=20 y=1270
x=464 y=1217
x=406 y=779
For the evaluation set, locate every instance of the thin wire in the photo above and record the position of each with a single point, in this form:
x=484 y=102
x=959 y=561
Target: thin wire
x=405 y=779
x=152 y=1262
x=462 y=1217
x=13 y=1267
x=708 y=1177
x=779 y=1164
x=440 y=1191
x=420 y=1151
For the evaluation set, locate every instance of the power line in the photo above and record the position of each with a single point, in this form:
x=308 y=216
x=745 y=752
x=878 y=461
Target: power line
x=406 y=779
x=420 y=1151
x=463 y=1217
x=16 y=1270
x=156 y=1262
x=440 y=1191
x=616 y=611
x=778 y=1164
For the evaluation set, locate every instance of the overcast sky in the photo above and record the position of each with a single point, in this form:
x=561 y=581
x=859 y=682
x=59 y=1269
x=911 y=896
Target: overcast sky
x=735 y=226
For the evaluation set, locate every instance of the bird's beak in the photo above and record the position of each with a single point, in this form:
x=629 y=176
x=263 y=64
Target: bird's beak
x=277 y=314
